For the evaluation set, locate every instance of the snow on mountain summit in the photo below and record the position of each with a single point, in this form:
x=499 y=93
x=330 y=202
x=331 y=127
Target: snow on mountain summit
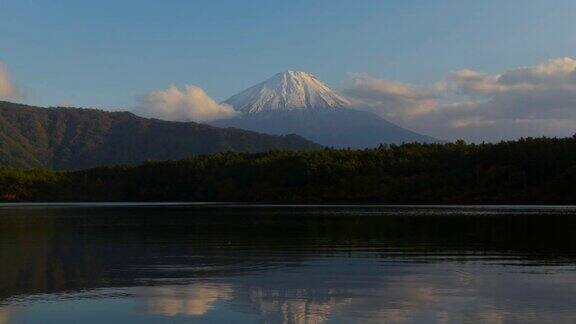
x=288 y=91
x=294 y=102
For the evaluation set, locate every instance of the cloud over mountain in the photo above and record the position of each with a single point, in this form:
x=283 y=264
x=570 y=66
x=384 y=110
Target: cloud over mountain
x=189 y=104
x=8 y=90
x=526 y=101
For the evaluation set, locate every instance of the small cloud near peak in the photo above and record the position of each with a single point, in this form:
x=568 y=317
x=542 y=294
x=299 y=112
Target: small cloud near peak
x=191 y=103
x=8 y=89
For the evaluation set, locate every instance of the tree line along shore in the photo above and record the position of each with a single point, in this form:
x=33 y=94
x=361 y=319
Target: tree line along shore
x=526 y=171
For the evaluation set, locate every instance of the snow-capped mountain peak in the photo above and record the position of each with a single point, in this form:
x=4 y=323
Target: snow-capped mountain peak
x=288 y=91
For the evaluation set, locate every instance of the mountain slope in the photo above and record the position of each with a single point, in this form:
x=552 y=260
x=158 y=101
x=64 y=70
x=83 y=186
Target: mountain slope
x=298 y=103
x=70 y=138
x=340 y=128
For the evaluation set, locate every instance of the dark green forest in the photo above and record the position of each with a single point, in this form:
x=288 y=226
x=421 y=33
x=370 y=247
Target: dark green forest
x=73 y=138
x=531 y=171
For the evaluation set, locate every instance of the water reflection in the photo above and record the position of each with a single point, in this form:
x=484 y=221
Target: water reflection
x=193 y=300
x=4 y=315
x=287 y=265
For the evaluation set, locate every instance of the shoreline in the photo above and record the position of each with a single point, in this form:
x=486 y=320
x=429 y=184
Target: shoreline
x=271 y=205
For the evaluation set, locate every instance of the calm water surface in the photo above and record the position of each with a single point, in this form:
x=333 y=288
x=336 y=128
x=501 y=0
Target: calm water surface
x=247 y=264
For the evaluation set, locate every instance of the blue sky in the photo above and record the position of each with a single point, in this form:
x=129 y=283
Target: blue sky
x=105 y=53
x=394 y=55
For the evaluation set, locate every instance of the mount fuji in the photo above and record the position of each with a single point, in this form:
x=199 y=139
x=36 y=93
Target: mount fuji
x=295 y=102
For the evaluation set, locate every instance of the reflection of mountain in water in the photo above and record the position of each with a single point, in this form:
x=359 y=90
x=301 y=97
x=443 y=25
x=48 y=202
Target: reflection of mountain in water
x=291 y=265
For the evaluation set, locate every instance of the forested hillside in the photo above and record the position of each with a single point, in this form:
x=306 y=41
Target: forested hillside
x=541 y=170
x=71 y=138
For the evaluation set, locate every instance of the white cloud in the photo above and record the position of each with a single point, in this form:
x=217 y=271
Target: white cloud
x=189 y=104
x=556 y=70
x=400 y=100
x=470 y=121
x=8 y=90
x=526 y=101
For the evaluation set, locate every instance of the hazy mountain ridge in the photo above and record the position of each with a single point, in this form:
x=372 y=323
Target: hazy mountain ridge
x=72 y=138
x=339 y=128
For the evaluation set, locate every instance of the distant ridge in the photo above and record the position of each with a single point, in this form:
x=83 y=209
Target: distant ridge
x=72 y=138
x=296 y=102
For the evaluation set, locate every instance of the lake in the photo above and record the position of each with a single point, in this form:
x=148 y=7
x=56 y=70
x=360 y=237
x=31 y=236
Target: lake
x=226 y=263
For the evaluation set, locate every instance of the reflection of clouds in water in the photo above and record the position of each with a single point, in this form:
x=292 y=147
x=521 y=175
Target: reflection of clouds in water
x=195 y=300
x=358 y=292
x=301 y=306
x=393 y=316
x=493 y=316
x=438 y=293
x=480 y=297
x=5 y=315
